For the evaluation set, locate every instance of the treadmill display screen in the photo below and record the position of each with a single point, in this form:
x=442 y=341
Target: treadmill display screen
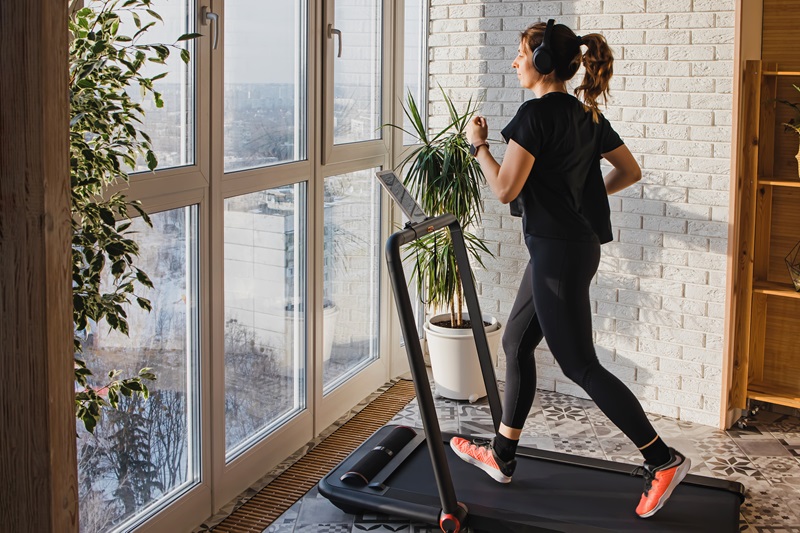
x=394 y=186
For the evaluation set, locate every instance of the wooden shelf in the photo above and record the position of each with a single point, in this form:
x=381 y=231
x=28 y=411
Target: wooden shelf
x=771 y=288
x=767 y=363
x=780 y=183
x=774 y=395
x=780 y=73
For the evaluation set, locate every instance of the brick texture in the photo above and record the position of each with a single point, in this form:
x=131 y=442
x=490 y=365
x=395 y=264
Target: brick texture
x=659 y=295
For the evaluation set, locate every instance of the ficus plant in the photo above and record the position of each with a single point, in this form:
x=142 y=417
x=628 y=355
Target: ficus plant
x=794 y=123
x=444 y=178
x=106 y=141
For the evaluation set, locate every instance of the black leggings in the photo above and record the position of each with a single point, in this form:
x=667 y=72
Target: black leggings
x=553 y=302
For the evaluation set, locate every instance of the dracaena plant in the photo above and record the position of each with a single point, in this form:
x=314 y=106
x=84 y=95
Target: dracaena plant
x=106 y=141
x=444 y=178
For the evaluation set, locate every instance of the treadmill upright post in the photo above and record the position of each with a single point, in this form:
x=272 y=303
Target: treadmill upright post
x=478 y=330
x=427 y=409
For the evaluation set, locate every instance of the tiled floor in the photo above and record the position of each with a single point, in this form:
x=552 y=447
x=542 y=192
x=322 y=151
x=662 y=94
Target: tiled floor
x=765 y=457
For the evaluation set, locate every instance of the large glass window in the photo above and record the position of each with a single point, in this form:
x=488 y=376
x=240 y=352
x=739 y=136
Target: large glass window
x=171 y=127
x=146 y=454
x=351 y=274
x=415 y=61
x=265 y=301
x=357 y=71
x=265 y=86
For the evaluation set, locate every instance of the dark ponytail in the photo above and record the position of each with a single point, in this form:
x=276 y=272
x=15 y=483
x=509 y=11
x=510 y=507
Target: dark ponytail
x=599 y=63
x=568 y=57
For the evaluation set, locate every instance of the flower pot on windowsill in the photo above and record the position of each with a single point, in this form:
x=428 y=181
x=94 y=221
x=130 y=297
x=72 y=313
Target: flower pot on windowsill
x=454 y=357
x=330 y=316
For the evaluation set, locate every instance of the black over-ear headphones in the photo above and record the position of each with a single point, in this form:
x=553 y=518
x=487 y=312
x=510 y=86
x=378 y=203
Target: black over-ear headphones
x=543 y=59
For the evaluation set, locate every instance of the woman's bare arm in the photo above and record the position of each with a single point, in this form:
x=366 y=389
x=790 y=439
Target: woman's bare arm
x=506 y=180
x=626 y=170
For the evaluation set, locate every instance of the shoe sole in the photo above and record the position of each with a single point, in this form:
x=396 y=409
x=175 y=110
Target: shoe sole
x=683 y=469
x=495 y=474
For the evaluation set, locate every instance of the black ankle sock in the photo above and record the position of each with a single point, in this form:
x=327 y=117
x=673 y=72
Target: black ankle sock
x=504 y=447
x=656 y=453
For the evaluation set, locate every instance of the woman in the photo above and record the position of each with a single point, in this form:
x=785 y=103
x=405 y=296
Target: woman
x=551 y=171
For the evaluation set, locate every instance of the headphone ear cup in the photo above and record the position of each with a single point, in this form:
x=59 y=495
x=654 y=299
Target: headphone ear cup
x=543 y=60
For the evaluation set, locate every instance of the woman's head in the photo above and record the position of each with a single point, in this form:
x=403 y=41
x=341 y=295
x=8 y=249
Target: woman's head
x=567 y=55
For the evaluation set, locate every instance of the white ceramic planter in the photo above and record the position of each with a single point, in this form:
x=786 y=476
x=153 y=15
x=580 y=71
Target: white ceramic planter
x=330 y=316
x=454 y=358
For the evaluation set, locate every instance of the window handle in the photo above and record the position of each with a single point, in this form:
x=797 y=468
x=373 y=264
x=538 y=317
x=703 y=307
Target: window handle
x=333 y=31
x=209 y=17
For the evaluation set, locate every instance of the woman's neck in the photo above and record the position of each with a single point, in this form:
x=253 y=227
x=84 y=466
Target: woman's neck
x=541 y=88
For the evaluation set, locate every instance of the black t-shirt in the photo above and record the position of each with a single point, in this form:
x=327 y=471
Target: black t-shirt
x=565 y=196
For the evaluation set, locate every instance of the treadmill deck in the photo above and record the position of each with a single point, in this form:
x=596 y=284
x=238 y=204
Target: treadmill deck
x=549 y=492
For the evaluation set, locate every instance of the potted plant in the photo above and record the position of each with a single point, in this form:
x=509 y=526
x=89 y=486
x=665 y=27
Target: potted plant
x=445 y=178
x=793 y=125
x=105 y=137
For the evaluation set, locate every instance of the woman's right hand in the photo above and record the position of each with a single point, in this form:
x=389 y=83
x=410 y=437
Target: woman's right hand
x=477 y=130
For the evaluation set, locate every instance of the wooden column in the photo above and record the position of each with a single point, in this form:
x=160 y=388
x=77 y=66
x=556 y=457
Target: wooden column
x=38 y=474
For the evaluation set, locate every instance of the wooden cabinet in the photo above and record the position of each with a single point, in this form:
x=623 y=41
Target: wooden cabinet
x=766 y=333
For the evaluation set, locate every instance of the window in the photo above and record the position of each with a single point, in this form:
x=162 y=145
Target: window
x=357 y=71
x=351 y=274
x=265 y=306
x=146 y=454
x=415 y=66
x=265 y=85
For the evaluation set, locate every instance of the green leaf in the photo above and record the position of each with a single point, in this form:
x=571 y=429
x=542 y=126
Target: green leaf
x=144 y=303
x=185 y=55
x=152 y=162
x=189 y=36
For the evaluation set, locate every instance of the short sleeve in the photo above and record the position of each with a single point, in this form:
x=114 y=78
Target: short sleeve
x=609 y=139
x=524 y=129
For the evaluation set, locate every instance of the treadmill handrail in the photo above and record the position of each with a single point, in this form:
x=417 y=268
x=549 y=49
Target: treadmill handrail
x=430 y=422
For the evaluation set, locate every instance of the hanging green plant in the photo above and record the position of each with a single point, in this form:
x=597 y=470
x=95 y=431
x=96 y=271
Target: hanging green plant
x=105 y=141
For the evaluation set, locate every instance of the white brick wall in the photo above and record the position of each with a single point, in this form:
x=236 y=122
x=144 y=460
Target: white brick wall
x=659 y=296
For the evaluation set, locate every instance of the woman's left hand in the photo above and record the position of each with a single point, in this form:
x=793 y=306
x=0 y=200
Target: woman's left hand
x=477 y=130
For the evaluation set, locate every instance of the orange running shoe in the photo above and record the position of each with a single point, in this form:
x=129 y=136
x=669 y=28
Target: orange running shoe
x=660 y=481
x=480 y=453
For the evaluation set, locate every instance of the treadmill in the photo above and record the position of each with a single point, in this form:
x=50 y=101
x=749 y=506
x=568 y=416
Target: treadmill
x=413 y=473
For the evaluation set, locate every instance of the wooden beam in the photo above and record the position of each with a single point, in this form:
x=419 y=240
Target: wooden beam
x=38 y=492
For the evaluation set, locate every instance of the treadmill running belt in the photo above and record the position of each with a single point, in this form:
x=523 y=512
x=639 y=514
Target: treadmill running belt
x=573 y=494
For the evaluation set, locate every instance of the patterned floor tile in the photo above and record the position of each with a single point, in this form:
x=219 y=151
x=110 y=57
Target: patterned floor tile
x=540 y=443
x=733 y=467
x=316 y=509
x=778 y=471
x=619 y=446
x=768 y=447
x=749 y=432
x=792 y=444
x=535 y=427
x=762 y=508
x=560 y=413
x=408 y=416
x=717 y=446
x=324 y=528
x=381 y=524
x=584 y=444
